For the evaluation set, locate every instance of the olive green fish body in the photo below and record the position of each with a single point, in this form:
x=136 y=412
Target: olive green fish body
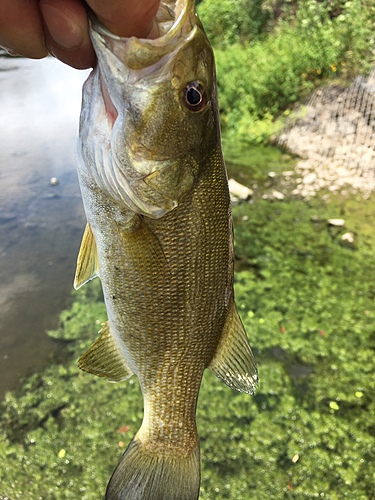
x=159 y=235
x=167 y=285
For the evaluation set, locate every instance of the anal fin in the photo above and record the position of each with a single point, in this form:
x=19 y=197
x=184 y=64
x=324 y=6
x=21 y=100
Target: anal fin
x=87 y=262
x=234 y=361
x=105 y=359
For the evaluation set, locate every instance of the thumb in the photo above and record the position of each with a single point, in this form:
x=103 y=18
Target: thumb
x=127 y=17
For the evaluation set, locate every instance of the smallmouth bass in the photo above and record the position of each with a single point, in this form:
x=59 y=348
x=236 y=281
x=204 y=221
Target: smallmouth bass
x=159 y=235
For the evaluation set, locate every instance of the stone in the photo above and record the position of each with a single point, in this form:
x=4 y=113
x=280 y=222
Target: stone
x=335 y=140
x=348 y=238
x=277 y=195
x=239 y=191
x=310 y=178
x=336 y=222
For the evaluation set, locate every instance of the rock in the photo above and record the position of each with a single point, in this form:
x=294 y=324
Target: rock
x=348 y=238
x=277 y=195
x=272 y=175
x=288 y=173
x=54 y=181
x=238 y=191
x=295 y=458
x=310 y=178
x=335 y=139
x=336 y=222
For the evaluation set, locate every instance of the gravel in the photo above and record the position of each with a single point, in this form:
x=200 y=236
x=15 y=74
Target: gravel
x=335 y=137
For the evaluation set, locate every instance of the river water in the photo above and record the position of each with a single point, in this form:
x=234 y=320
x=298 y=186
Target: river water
x=40 y=225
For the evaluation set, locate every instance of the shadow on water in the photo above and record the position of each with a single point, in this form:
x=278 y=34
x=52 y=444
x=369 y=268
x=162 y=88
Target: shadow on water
x=40 y=225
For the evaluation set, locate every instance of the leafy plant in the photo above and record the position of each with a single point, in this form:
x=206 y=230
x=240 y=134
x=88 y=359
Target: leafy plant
x=233 y=21
x=261 y=74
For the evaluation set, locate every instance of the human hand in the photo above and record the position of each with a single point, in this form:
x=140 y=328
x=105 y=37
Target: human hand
x=34 y=28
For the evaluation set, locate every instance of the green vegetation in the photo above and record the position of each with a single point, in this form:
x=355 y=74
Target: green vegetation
x=228 y=22
x=263 y=71
x=306 y=299
x=307 y=302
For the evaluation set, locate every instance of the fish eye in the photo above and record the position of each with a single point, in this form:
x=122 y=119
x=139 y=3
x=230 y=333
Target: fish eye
x=194 y=96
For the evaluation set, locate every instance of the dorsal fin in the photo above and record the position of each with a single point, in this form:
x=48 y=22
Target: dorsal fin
x=105 y=359
x=87 y=262
x=234 y=362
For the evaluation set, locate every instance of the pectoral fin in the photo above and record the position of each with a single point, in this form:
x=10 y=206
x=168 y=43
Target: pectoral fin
x=234 y=362
x=87 y=262
x=105 y=359
x=143 y=248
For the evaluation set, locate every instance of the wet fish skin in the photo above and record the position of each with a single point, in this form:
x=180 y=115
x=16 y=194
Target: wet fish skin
x=159 y=235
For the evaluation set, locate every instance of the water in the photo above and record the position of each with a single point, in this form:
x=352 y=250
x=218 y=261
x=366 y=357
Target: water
x=40 y=225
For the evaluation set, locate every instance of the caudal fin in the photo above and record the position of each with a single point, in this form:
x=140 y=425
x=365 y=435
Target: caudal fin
x=146 y=475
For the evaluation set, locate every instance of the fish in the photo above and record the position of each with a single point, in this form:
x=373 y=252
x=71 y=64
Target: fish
x=159 y=235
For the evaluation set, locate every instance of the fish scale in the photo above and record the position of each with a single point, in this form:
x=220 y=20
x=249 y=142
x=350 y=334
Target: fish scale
x=159 y=236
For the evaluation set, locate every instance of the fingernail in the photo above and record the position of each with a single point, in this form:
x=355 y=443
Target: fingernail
x=63 y=31
x=11 y=53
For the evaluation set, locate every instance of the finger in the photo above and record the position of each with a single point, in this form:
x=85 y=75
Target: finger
x=21 y=29
x=67 y=34
x=127 y=18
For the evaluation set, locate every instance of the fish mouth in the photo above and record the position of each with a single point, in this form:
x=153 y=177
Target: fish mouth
x=174 y=19
x=122 y=58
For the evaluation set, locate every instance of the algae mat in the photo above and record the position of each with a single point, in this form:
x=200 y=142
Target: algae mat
x=307 y=301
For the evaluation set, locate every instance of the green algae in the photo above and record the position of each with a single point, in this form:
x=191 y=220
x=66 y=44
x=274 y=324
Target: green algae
x=253 y=164
x=307 y=302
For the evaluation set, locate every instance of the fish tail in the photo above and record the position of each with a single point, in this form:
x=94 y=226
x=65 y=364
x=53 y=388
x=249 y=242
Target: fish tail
x=155 y=475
